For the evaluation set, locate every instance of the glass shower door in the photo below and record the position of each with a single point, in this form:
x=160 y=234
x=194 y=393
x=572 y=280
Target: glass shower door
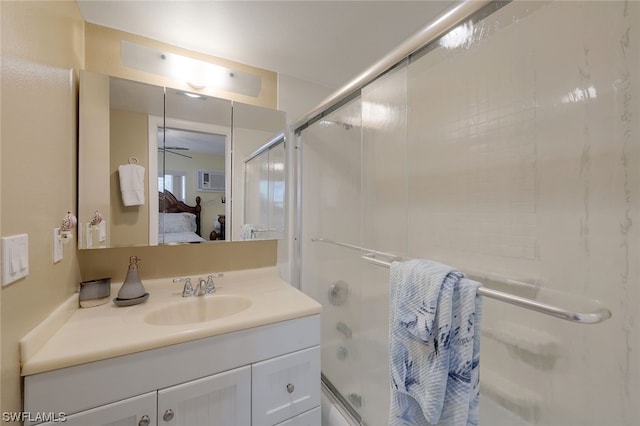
x=330 y=273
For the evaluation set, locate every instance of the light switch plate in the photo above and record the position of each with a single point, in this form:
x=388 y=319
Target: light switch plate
x=15 y=258
x=58 y=250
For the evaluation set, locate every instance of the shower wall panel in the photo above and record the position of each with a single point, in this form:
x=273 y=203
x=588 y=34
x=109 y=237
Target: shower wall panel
x=523 y=157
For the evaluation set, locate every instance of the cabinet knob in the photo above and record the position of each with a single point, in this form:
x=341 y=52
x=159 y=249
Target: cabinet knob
x=168 y=415
x=144 y=421
x=290 y=388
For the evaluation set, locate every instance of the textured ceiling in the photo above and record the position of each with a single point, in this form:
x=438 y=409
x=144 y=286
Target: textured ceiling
x=323 y=42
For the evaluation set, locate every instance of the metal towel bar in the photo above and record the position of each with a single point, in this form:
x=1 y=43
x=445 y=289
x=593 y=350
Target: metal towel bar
x=255 y=231
x=594 y=317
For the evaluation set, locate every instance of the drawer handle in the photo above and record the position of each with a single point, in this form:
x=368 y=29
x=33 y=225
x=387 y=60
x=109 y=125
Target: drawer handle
x=168 y=415
x=144 y=421
x=290 y=388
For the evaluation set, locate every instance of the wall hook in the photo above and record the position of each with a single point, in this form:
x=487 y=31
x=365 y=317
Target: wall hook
x=69 y=221
x=95 y=219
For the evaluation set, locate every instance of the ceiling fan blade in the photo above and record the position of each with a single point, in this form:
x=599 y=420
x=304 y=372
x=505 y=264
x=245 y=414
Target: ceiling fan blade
x=166 y=150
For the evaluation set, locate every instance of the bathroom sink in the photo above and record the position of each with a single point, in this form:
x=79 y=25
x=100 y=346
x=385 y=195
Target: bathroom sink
x=197 y=309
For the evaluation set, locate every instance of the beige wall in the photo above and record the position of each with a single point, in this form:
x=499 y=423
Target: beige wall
x=103 y=56
x=42 y=51
x=178 y=260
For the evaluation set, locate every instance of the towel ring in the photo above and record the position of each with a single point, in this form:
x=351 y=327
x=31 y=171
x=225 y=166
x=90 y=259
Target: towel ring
x=133 y=160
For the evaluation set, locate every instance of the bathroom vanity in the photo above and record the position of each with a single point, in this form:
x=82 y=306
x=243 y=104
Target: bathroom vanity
x=246 y=355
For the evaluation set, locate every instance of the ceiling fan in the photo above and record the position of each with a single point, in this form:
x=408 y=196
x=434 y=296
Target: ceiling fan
x=172 y=149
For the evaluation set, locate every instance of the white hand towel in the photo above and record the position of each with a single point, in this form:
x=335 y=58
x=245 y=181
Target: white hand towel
x=132 y=184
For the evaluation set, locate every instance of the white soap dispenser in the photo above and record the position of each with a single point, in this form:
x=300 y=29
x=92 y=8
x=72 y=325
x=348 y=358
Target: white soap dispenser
x=132 y=291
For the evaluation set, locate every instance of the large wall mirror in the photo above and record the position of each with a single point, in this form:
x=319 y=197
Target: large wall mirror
x=164 y=166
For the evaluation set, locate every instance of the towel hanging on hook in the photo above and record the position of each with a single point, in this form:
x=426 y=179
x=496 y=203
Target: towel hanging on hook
x=132 y=183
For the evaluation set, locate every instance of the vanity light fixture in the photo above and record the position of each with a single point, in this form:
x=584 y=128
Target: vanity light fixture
x=196 y=73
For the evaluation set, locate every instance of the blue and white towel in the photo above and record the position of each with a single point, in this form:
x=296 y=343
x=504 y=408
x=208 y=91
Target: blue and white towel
x=434 y=345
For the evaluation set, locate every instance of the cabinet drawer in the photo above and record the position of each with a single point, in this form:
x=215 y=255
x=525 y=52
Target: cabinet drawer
x=310 y=418
x=285 y=386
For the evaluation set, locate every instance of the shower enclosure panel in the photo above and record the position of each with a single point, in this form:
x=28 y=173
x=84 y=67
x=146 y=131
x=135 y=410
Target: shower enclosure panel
x=331 y=160
x=353 y=188
x=384 y=226
x=509 y=149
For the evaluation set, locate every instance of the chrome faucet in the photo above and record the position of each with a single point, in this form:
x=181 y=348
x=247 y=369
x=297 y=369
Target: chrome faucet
x=209 y=287
x=201 y=289
x=205 y=287
x=188 y=289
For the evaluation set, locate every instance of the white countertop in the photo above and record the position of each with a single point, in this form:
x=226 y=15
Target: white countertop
x=106 y=331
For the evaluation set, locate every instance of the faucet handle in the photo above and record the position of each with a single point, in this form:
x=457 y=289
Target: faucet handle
x=209 y=287
x=188 y=289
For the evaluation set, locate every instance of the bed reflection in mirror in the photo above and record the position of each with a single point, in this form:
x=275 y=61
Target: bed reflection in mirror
x=178 y=222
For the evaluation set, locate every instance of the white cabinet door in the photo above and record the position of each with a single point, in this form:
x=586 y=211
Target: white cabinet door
x=137 y=411
x=285 y=386
x=220 y=400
